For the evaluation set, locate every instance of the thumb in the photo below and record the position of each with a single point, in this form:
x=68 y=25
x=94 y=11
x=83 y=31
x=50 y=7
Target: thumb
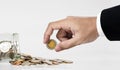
x=67 y=44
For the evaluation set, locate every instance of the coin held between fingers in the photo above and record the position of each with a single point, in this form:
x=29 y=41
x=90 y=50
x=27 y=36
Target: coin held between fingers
x=51 y=44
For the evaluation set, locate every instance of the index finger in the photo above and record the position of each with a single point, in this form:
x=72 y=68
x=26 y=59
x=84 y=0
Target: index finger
x=51 y=27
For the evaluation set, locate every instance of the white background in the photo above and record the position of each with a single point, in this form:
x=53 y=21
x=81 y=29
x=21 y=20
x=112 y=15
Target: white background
x=30 y=18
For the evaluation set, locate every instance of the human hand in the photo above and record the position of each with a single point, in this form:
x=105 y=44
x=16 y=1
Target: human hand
x=73 y=31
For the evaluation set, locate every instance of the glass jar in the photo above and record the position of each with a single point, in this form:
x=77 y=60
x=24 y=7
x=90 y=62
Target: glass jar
x=9 y=46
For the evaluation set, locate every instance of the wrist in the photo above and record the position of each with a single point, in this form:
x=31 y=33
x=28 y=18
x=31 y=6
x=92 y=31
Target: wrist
x=94 y=25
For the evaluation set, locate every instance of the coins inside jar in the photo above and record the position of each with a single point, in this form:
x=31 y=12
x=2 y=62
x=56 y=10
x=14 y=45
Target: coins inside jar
x=51 y=44
x=8 y=46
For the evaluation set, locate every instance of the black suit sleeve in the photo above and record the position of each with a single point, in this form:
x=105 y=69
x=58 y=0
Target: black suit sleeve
x=110 y=22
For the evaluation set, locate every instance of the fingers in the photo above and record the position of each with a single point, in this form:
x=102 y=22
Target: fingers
x=67 y=44
x=61 y=35
x=51 y=27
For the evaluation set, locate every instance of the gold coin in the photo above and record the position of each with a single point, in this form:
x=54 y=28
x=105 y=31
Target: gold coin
x=51 y=44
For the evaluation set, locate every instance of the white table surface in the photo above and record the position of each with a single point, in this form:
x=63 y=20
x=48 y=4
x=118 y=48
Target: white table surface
x=30 y=18
x=106 y=60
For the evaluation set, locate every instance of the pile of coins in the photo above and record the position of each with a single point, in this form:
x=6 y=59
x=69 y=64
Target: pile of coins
x=27 y=60
x=9 y=50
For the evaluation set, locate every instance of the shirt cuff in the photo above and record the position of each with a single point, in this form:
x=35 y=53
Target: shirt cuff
x=99 y=28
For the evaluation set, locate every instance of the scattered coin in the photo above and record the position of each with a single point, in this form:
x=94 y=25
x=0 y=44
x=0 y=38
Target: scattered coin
x=11 y=55
x=51 y=44
x=27 y=60
x=26 y=63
